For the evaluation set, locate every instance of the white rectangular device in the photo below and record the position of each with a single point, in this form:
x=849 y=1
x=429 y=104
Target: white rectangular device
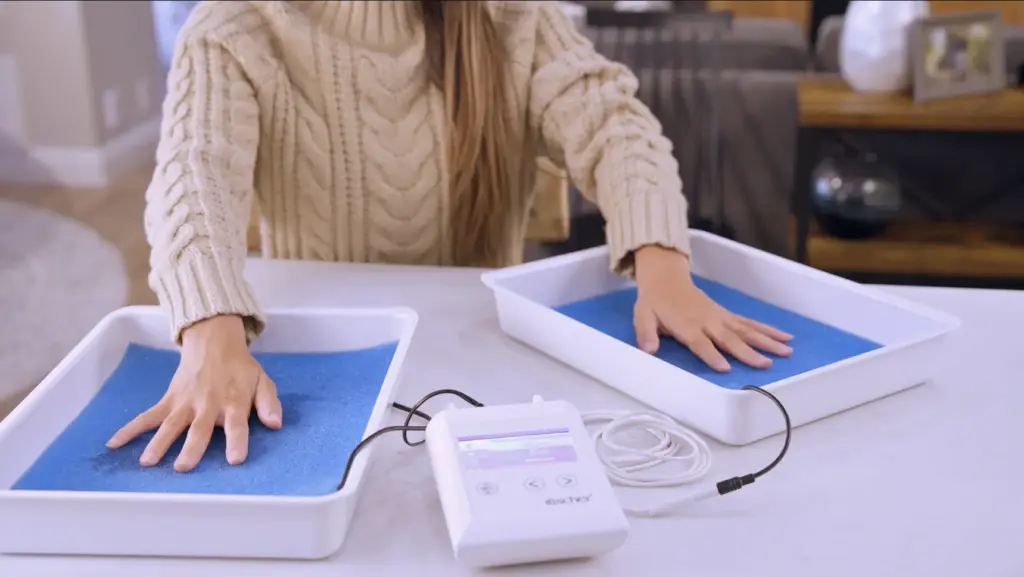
x=912 y=336
x=183 y=525
x=521 y=484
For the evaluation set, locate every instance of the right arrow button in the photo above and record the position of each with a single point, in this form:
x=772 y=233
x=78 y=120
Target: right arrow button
x=566 y=481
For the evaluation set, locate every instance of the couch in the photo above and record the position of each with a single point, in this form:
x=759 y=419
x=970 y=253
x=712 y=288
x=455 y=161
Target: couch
x=759 y=62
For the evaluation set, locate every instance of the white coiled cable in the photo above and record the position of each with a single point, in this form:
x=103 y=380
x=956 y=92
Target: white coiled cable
x=629 y=465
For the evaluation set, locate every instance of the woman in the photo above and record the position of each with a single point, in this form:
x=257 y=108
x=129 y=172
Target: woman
x=392 y=132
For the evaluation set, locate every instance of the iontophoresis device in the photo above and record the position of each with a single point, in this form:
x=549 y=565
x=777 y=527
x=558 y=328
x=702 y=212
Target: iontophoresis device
x=522 y=483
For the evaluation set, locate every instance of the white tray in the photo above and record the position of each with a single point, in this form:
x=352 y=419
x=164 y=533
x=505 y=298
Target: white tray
x=108 y=523
x=911 y=336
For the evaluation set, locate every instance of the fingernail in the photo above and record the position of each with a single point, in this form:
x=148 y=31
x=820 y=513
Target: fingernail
x=273 y=420
x=147 y=461
x=723 y=367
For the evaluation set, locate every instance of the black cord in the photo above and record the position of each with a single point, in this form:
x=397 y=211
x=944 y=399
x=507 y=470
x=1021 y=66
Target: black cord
x=352 y=457
x=736 y=483
x=415 y=410
x=406 y=427
x=410 y=410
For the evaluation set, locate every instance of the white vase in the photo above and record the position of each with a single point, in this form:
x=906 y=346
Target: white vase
x=873 y=48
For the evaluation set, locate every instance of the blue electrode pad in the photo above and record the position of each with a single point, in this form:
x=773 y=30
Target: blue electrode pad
x=814 y=344
x=327 y=400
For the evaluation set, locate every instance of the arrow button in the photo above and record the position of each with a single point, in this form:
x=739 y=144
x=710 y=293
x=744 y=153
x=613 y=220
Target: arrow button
x=534 y=484
x=566 y=481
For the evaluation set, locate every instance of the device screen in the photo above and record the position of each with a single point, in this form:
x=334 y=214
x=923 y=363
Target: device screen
x=517 y=449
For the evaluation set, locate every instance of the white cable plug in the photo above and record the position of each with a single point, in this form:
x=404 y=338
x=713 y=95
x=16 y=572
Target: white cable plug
x=631 y=466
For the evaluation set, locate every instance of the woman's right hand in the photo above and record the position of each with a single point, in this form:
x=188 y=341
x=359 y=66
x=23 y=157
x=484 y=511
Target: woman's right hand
x=217 y=384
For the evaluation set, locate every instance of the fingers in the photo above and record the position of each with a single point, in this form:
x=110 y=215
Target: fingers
x=700 y=345
x=645 y=323
x=199 y=399
x=764 y=329
x=196 y=441
x=172 y=428
x=147 y=421
x=731 y=342
x=236 y=433
x=760 y=340
x=268 y=405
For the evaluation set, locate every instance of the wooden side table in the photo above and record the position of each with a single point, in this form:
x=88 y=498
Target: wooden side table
x=958 y=249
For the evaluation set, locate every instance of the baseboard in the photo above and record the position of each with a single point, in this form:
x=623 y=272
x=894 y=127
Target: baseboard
x=86 y=166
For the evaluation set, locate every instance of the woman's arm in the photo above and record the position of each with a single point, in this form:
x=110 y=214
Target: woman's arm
x=585 y=109
x=199 y=202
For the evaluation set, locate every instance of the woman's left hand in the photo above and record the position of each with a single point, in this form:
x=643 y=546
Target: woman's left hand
x=668 y=302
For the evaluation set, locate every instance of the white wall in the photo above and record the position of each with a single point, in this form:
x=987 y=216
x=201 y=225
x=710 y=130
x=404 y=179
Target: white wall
x=80 y=91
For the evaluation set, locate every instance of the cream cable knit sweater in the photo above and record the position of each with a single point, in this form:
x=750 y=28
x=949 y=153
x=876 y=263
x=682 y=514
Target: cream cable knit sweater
x=323 y=113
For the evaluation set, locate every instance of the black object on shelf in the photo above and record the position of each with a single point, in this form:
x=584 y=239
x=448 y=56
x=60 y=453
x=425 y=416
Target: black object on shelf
x=854 y=196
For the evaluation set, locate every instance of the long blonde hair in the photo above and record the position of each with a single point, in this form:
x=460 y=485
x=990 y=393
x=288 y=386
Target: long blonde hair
x=469 y=63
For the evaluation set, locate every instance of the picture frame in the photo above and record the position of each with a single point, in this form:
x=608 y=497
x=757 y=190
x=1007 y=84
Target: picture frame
x=957 y=55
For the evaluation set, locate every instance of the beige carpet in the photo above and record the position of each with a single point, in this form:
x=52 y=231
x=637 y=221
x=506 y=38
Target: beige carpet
x=58 y=278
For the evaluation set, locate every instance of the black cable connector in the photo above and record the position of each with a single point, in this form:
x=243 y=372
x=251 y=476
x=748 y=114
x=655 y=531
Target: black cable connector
x=734 y=484
x=737 y=483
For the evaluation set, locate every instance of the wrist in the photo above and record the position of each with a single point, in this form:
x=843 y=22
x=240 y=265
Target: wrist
x=221 y=331
x=656 y=257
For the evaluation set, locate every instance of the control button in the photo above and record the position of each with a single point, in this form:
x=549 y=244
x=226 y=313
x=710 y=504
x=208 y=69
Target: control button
x=566 y=481
x=534 y=484
x=487 y=488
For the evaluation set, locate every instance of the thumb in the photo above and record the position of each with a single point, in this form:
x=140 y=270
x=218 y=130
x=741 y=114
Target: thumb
x=645 y=323
x=268 y=406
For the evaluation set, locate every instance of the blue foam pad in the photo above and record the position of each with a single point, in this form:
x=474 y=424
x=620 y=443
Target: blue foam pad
x=814 y=344
x=327 y=400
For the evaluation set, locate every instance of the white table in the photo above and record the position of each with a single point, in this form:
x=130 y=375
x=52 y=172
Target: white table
x=925 y=483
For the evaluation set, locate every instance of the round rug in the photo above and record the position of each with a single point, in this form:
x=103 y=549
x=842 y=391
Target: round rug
x=58 y=278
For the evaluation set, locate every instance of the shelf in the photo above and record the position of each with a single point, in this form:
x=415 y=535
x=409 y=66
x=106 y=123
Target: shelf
x=927 y=249
x=828 y=103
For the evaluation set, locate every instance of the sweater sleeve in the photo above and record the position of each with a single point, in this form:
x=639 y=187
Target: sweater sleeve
x=199 y=201
x=585 y=109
